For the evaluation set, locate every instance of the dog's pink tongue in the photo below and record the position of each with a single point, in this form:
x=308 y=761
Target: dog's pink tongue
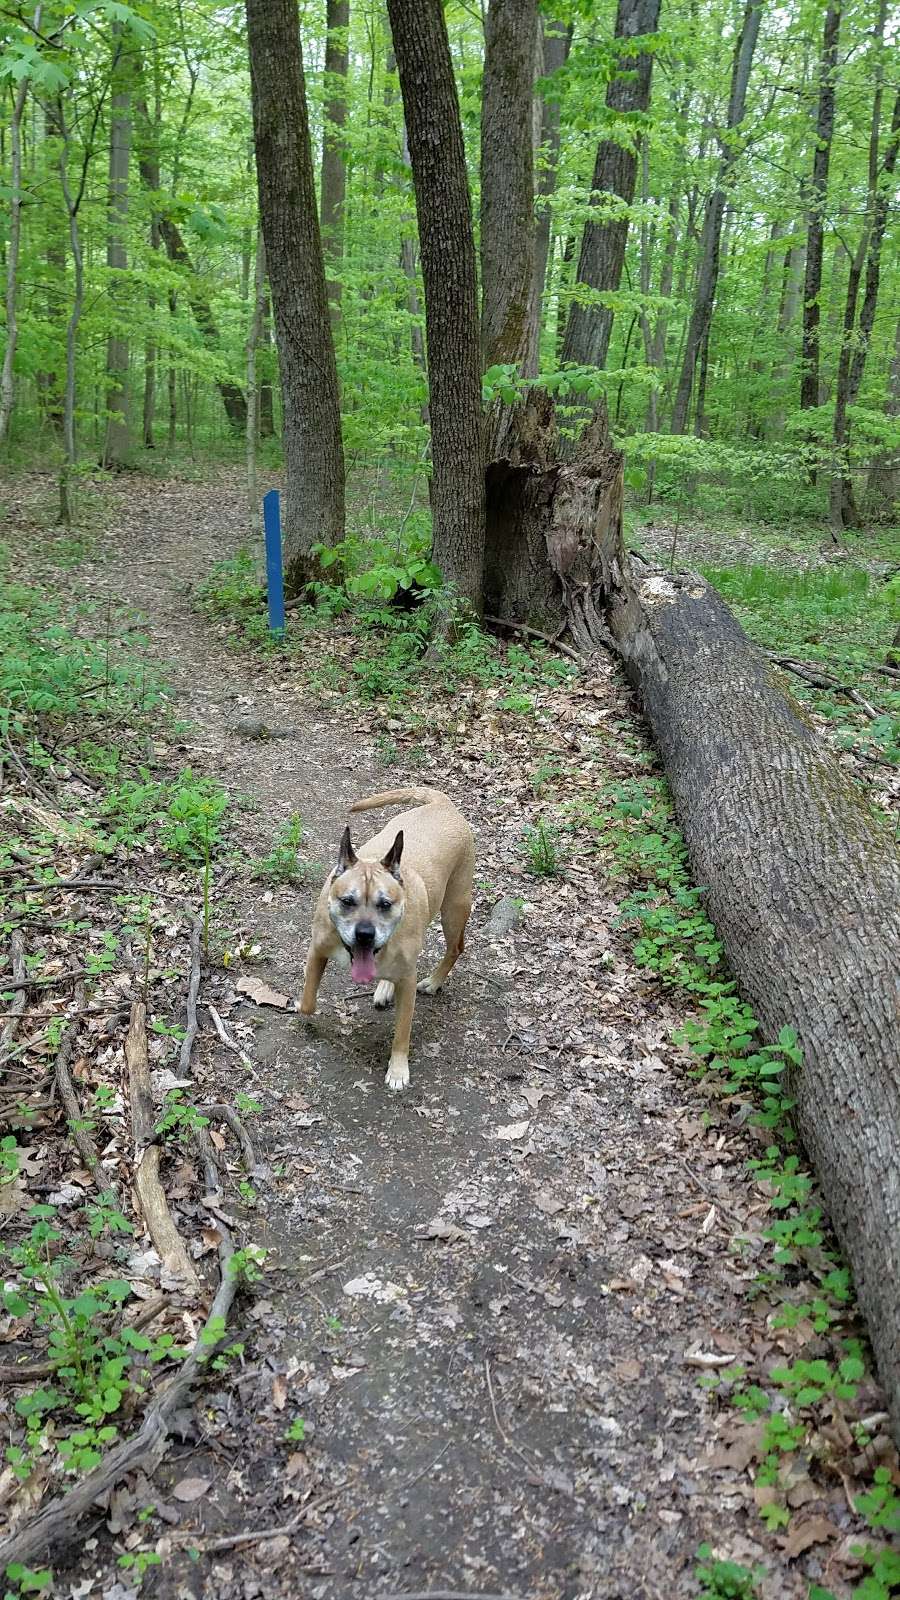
x=362 y=966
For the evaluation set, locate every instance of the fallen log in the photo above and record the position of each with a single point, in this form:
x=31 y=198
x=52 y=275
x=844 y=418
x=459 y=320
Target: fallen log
x=801 y=876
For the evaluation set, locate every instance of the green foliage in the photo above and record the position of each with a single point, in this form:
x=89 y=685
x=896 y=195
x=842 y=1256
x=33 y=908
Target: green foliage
x=541 y=851
x=725 y=1580
x=381 y=566
x=281 y=864
x=179 y=1117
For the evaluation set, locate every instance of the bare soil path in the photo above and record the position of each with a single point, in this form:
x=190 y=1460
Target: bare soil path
x=483 y=1297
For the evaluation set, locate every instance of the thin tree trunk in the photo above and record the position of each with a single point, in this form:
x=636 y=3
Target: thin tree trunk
x=232 y=395
x=72 y=203
x=172 y=384
x=710 y=244
x=884 y=474
x=313 y=449
x=615 y=173
x=150 y=136
x=852 y=363
x=818 y=195
x=117 y=442
x=334 y=172
x=451 y=312
x=256 y=322
x=507 y=181
x=556 y=43
x=7 y=378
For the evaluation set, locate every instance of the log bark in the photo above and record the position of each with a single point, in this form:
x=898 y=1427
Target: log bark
x=802 y=877
x=556 y=43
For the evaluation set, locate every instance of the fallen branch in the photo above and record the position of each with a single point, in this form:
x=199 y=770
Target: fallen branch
x=222 y=1113
x=151 y=1198
x=17 y=950
x=535 y=633
x=232 y=1541
x=58 y=1521
x=824 y=680
x=84 y=1144
x=45 y=983
x=190 y=1033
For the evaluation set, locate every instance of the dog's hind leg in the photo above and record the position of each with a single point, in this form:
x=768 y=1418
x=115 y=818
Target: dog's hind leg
x=454 y=915
x=384 y=994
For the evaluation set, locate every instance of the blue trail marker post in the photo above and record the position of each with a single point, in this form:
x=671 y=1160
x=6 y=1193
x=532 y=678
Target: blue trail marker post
x=274 y=573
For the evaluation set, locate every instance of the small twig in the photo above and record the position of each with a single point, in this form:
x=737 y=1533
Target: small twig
x=190 y=1034
x=535 y=633
x=323 y=1272
x=46 y=983
x=822 y=680
x=25 y=776
x=230 y=1043
x=446 y=1594
x=531 y=1464
x=223 y=1113
x=231 y=1541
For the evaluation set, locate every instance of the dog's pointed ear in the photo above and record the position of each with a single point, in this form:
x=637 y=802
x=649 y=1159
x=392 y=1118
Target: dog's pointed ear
x=346 y=852
x=392 y=860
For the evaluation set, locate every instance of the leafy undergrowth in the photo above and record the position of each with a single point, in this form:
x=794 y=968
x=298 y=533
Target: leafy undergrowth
x=107 y=858
x=803 y=1418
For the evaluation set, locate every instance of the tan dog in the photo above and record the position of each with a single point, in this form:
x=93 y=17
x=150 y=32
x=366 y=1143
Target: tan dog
x=374 y=918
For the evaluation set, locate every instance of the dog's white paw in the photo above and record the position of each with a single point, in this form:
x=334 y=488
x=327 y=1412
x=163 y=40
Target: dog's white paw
x=384 y=994
x=428 y=986
x=397 y=1075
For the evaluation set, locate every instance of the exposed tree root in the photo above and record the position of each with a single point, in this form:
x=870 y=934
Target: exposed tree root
x=152 y=1201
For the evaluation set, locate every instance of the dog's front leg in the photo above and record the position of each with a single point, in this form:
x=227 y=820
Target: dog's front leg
x=397 y=1075
x=316 y=963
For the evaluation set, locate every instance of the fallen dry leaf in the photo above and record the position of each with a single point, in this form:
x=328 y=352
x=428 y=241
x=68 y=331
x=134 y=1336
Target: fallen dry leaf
x=513 y=1130
x=816 y=1530
x=440 y=1228
x=191 y=1489
x=279 y=1391
x=261 y=993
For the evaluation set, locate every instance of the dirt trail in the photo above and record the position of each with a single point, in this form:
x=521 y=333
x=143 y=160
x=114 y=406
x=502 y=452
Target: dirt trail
x=507 y=1410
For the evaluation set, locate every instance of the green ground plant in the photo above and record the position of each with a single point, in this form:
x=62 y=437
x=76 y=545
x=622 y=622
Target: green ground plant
x=281 y=864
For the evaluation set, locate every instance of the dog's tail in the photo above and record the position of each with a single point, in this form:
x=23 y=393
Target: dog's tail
x=401 y=797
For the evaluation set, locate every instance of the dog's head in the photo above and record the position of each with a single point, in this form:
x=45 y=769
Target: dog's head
x=365 y=903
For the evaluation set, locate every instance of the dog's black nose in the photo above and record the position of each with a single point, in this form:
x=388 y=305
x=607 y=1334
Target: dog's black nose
x=365 y=933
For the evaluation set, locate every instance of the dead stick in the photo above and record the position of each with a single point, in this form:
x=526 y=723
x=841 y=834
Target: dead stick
x=153 y=1204
x=58 y=1521
x=84 y=1144
x=44 y=983
x=17 y=950
x=187 y=1043
x=251 y=1536
x=230 y=1043
x=221 y=1113
x=534 y=633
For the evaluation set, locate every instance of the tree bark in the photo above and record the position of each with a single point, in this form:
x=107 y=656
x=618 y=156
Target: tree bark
x=708 y=271
x=818 y=195
x=253 y=337
x=117 y=441
x=884 y=474
x=556 y=43
x=803 y=887
x=590 y=322
x=334 y=172
x=266 y=386
x=313 y=449
x=447 y=247
x=507 y=181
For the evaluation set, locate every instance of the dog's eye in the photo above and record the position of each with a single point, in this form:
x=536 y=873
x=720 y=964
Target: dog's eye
x=383 y=903
x=348 y=900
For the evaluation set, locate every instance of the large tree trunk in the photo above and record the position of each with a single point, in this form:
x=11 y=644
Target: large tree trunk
x=802 y=879
x=708 y=272
x=556 y=43
x=507 y=181
x=447 y=246
x=117 y=442
x=334 y=172
x=7 y=379
x=313 y=450
x=818 y=195
x=615 y=174
x=803 y=886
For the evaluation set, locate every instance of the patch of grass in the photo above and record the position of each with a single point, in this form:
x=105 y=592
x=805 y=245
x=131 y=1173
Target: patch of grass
x=281 y=864
x=541 y=849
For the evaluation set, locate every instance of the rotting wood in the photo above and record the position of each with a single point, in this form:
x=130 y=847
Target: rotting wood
x=801 y=877
x=149 y=1192
x=78 y=1131
x=190 y=1032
